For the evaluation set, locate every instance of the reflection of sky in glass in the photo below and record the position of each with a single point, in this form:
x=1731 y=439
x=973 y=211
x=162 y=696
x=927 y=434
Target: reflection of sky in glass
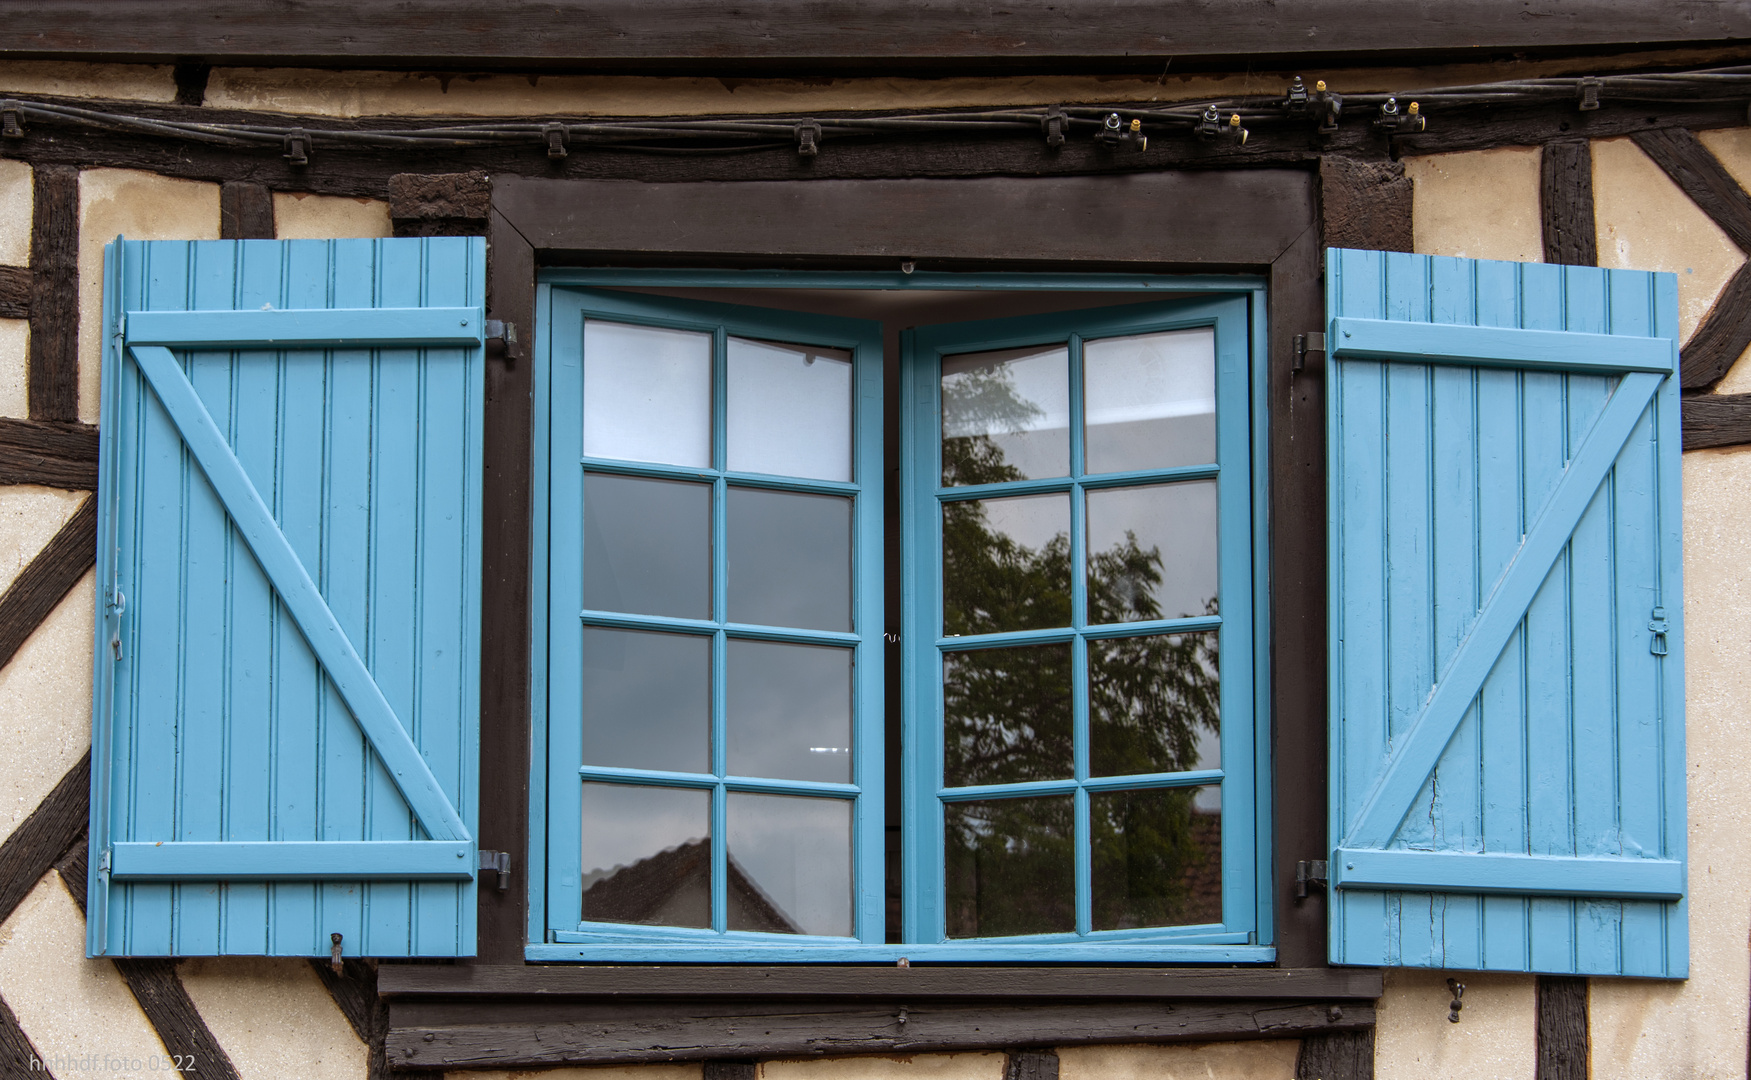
x=1150 y=400
x=789 y=559
x=797 y=852
x=647 y=394
x=647 y=700
x=789 y=410
x=1019 y=398
x=624 y=824
x=647 y=546
x=789 y=711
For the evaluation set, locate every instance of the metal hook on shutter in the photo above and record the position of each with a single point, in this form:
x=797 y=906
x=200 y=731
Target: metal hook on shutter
x=334 y=953
x=1457 y=988
x=1659 y=626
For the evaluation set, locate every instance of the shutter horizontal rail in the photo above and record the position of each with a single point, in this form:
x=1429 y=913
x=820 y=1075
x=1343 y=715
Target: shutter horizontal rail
x=231 y=860
x=327 y=328
x=1498 y=346
x=1479 y=872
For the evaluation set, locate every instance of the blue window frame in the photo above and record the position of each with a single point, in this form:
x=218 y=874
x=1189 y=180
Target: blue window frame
x=1212 y=650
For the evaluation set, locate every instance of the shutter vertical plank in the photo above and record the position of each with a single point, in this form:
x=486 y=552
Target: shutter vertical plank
x=1566 y=750
x=226 y=725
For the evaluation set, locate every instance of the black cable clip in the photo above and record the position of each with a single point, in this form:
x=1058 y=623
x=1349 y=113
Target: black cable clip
x=557 y=138
x=298 y=147
x=1587 y=92
x=1394 y=122
x=1054 y=124
x=1329 y=106
x=808 y=138
x=1114 y=133
x=1298 y=99
x=10 y=127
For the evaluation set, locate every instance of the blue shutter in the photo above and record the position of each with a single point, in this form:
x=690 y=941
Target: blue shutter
x=285 y=725
x=1507 y=695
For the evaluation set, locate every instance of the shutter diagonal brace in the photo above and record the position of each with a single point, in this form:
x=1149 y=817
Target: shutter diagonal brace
x=333 y=649
x=1422 y=745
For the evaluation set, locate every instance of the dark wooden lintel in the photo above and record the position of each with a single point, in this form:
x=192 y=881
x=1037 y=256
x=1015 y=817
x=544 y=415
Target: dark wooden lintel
x=47 y=452
x=475 y=1035
x=14 y=292
x=46 y=579
x=841 y=982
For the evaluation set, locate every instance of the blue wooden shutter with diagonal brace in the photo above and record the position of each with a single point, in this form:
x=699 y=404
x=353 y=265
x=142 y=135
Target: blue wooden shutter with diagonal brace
x=285 y=726
x=1507 y=698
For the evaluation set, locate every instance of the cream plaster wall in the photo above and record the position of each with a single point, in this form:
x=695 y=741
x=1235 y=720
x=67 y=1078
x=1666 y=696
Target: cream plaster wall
x=1265 y=1059
x=45 y=705
x=118 y=82
x=139 y=206
x=1696 y=1028
x=15 y=213
x=1732 y=146
x=70 y=1006
x=14 y=367
x=1482 y=204
x=29 y=517
x=274 y=1018
x=298 y=216
x=1495 y=1039
x=1646 y=222
x=678 y=1071
x=900 y=1067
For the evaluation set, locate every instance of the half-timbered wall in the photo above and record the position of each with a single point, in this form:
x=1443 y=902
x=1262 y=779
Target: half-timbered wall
x=1621 y=202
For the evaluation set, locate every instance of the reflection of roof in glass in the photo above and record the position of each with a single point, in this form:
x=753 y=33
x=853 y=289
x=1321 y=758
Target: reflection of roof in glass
x=638 y=892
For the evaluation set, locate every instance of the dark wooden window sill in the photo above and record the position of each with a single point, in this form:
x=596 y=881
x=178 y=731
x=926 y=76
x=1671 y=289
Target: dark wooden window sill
x=501 y=1016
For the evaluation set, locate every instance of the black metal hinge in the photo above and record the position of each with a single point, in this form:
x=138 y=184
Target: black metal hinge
x=499 y=861
x=1304 y=344
x=1309 y=873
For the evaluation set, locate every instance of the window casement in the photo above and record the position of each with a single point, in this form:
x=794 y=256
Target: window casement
x=1076 y=742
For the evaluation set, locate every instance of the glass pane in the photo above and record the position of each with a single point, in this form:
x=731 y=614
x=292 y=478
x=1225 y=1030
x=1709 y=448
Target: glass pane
x=1005 y=564
x=647 y=855
x=1006 y=415
x=647 y=394
x=1006 y=715
x=647 y=546
x=1010 y=867
x=1157 y=857
x=647 y=700
x=1150 y=401
x=790 y=864
x=1154 y=705
x=789 y=559
x=1152 y=552
x=789 y=711
x=789 y=410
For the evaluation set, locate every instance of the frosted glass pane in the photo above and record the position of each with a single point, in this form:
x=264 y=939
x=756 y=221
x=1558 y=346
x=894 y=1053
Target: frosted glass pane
x=647 y=394
x=789 y=410
x=1150 y=400
x=1006 y=415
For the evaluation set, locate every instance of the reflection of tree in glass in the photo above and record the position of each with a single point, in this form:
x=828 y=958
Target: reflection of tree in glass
x=1007 y=718
x=976 y=404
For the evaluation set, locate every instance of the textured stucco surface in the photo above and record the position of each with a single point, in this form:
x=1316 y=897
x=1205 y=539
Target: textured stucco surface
x=45 y=705
x=139 y=206
x=70 y=1006
x=898 y=1067
x=1266 y=1059
x=1481 y=204
x=1732 y=146
x=14 y=367
x=1494 y=1040
x=274 y=1018
x=1646 y=222
x=15 y=213
x=117 y=82
x=298 y=216
x=1696 y=1028
x=29 y=517
x=677 y=1071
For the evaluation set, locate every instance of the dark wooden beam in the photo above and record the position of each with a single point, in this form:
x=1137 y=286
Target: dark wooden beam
x=49 y=453
x=1715 y=420
x=1364 y=204
x=54 y=294
x=1723 y=336
x=1562 y=1028
x=1031 y=1065
x=1566 y=203
x=441 y=204
x=1535 y=125
x=1708 y=183
x=32 y=848
x=833 y=36
x=18 y=1058
x=1338 y=1055
x=473 y=1035
x=14 y=292
x=354 y=990
x=48 y=577
x=833 y=982
x=246 y=211
x=730 y=1070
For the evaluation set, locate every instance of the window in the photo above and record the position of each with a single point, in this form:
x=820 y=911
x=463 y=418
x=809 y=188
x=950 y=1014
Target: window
x=1066 y=762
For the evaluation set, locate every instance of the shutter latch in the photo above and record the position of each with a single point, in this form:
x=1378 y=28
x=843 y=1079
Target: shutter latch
x=1309 y=872
x=1304 y=344
x=1659 y=626
x=499 y=861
